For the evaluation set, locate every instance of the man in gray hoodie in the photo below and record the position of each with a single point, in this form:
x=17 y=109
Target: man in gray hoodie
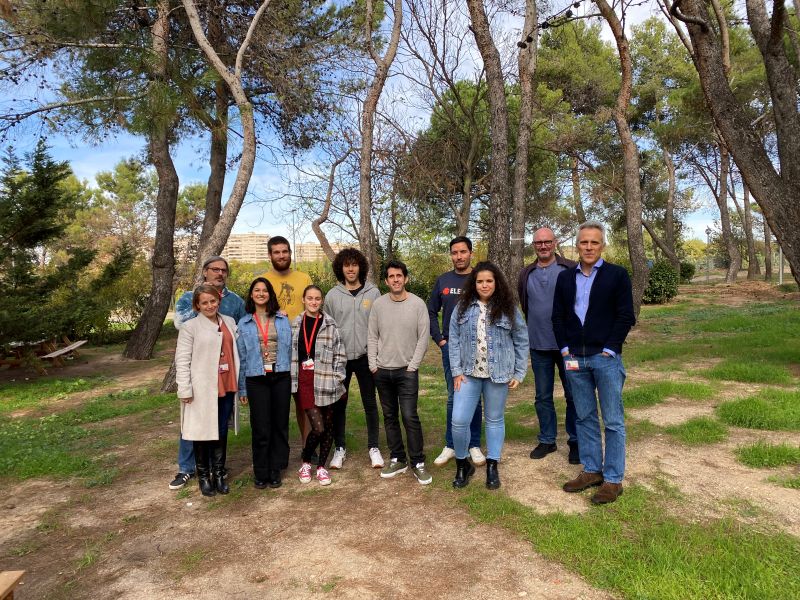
x=349 y=303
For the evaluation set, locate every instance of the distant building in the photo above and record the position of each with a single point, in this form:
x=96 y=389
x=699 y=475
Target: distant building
x=247 y=247
x=252 y=248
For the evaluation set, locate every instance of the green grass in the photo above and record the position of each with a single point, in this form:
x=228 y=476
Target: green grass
x=648 y=394
x=698 y=431
x=749 y=372
x=771 y=409
x=636 y=429
x=787 y=482
x=636 y=549
x=33 y=394
x=765 y=455
x=60 y=444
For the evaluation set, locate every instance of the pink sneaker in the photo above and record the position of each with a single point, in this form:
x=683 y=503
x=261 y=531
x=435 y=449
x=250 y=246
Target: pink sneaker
x=305 y=473
x=322 y=476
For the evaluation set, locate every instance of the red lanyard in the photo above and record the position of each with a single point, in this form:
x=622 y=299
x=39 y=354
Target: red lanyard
x=264 y=330
x=313 y=331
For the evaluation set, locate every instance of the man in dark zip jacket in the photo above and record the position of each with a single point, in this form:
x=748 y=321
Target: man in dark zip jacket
x=592 y=315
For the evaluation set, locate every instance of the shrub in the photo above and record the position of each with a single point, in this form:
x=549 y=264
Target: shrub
x=662 y=284
x=687 y=272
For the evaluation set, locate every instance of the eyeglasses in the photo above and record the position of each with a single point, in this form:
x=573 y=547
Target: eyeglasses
x=218 y=269
x=544 y=243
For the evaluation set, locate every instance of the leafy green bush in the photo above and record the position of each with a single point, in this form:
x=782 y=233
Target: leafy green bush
x=662 y=284
x=687 y=272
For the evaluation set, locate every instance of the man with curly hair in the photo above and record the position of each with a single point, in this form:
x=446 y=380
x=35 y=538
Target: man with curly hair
x=349 y=303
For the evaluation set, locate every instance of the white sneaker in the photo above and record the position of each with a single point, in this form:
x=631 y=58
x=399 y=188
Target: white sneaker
x=376 y=458
x=445 y=456
x=305 y=473
x=478 y=459
x=338 y=458
x=323 y=476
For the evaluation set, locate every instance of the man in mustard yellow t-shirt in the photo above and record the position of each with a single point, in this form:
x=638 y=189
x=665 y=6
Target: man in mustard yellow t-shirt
x=288 y=283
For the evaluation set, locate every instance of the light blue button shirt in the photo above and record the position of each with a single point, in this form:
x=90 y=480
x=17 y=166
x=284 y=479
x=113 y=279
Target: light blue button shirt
x=583 y=289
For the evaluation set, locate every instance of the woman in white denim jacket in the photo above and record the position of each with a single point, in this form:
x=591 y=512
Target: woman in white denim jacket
x=488 y=346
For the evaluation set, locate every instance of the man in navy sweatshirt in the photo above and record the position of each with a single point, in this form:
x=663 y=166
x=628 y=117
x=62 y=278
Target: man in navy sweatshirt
x=592 y=315
x=444 y=297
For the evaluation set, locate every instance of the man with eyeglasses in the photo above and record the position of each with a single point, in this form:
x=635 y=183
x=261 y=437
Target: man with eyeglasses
x=215 y=272
x=536 y=286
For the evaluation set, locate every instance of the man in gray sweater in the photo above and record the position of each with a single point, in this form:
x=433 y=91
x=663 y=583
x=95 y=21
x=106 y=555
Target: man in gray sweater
x=396 y=343
x=350 y=303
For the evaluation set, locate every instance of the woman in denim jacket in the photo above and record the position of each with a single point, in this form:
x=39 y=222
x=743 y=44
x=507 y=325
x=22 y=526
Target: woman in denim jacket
x=488 y=356
x=265 y=349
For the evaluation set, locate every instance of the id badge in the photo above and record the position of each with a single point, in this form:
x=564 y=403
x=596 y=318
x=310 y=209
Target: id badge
x=268 y=368
x=223 y=367
x=308 y=364
x=571 y=365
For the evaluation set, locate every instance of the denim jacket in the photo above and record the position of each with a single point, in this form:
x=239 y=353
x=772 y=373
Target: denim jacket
x=508 y=345
x=251 y=360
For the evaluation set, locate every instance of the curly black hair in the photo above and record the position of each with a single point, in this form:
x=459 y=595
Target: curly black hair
x=347 y=256
x=272 y=302
x=502 y=301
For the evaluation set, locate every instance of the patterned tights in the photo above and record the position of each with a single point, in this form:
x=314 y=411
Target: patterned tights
x=321 y=418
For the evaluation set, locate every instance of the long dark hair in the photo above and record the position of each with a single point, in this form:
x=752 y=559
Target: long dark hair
x=502 y=301
x=272 y=303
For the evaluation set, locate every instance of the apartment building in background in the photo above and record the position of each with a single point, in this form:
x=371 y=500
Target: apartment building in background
x=252 y=248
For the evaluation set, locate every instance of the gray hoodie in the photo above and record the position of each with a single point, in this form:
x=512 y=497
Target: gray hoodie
x=351 y=314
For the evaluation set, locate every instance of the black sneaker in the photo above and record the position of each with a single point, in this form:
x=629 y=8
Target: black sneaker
x=181 y=479
x=574 y=454
x=543 y=450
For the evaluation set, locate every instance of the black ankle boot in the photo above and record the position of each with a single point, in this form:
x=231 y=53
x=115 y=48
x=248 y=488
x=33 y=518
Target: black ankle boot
x=218 y=466
x=492 y=476
x=464 y=470
x=202 y=460
x=274 y=480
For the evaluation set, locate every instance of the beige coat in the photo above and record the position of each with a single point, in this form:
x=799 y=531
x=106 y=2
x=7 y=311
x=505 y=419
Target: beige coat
x=196 y=372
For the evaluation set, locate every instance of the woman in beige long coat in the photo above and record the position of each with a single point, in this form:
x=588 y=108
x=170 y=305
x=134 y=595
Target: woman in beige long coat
x=207 y=368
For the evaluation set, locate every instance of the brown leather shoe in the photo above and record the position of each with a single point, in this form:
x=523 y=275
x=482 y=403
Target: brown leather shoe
x=607 y=493
x=583 y=481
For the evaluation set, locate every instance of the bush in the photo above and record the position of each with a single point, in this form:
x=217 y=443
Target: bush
x=662 y=284
x=687 y=272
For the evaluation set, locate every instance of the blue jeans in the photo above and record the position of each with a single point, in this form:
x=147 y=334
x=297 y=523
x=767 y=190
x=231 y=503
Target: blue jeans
x=475 y=424
x=606 y=375
x=543 y=362
x=464 y=402
x=186 y=462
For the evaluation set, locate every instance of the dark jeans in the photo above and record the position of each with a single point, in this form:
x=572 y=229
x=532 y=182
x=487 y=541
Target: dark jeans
x=475 y=424
x=543 y=363
x=366 y=385
x=268 y=396
x=398 y=390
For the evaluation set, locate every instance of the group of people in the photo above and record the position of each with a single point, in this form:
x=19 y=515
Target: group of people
x=285 y=340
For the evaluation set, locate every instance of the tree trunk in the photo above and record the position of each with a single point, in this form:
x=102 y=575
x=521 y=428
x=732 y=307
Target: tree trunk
x=776 y=191
x=630 y=158
x=753 y=270
x=499 y=224
x=366 y=233
x=663 y=246
x=580 y=214
x=669 y=215
x=316 y=224
x=767 y=252
x=143 y=340
x=734 y=256
x=233 y=80
x=526 y=63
